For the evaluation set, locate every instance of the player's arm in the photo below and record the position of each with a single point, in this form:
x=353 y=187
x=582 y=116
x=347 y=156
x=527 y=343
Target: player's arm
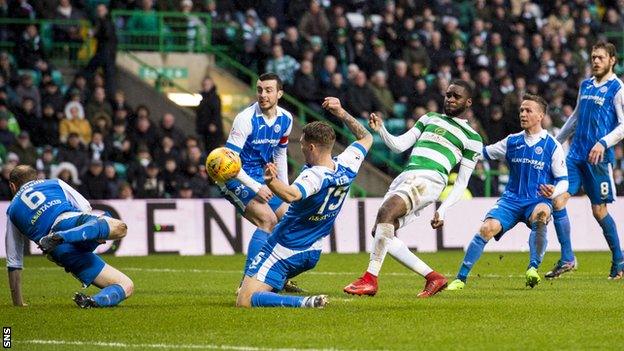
x=75 y=198
x=560 y=172
x=570 y=124
x=241 y=129
x=15 y=242
x=280 y=156
x=596 y=154
x=470 y=155
x=306 y=184
x=397 y=143
x=495 y=151
x=364 y=138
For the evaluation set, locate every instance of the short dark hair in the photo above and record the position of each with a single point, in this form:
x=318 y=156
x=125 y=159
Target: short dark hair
x=464 y=84
x=538 y=99
x=21 y=175
x=319 y=133
x=608 y=47
x=272 y=76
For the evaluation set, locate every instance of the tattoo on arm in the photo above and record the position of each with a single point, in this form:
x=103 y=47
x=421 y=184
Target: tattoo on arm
x=354 y=126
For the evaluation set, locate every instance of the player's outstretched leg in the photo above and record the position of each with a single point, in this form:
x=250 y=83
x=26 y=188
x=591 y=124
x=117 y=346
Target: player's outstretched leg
x=609 y=230
x=115 y=286
x=488 y=229
x=255 y=293
x=102 y=228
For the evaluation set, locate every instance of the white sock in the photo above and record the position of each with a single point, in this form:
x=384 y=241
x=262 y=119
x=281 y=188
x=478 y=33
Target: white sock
x=384 y=233
x=402 y=253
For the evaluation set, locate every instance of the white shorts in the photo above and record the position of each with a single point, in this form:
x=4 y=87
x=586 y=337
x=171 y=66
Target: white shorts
x=418 y=188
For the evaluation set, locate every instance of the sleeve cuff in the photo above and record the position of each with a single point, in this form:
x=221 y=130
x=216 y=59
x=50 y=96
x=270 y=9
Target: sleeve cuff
x=360 y=147
x=302 y=190
x=604 y=143
x=485 y=154
x=558 y=179
x=233 y=147
x=11 y=269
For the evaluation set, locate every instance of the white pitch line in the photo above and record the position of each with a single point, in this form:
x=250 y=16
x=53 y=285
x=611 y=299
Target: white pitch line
x=224 y=271
x=119 y=345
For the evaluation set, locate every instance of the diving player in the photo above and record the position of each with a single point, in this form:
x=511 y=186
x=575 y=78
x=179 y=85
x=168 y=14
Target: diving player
x=59 y=219
x=316 y=197
x=536 y=161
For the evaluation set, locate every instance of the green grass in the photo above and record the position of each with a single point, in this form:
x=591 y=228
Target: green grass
x=192 y=304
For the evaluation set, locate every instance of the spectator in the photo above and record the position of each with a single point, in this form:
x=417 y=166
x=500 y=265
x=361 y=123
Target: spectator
x=5 y=191
x=401 y=84
x=282 y=65
x=78 y=90
x=291 y=43
x=113 y=183
x=52 y=96
x=150 y=186
x=97 y=105
x=125 y=191
x=98 y=150
x=328 y=69
x=102 y=123
x=47 y=131
x=69 y=33
x=116 y=138
x=251 y=31
x=209 y=124
x=75 y=122
x=361 y=99
x=8 y=71
x=94 y=184
x=26 y=89
x=26 y=115
x=138 y=165
x=73 y=151
x=314 y=22
x=264 y=47
x=195 y=29
x=29 y=48
x=24 y=149
x=46 y=161
x=7 y=137
x=382 y=93
x=167 y=149
x=185 y=191
x=171 y=177
x=119 y=102
x=342 y=49
x=305 y=87
x=67 y=172
x=168 y=128
x=106 y=52
x=337 y=88
x=145 y=133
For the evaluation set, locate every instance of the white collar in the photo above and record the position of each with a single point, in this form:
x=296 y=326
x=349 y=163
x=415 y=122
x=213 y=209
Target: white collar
x=543 y=134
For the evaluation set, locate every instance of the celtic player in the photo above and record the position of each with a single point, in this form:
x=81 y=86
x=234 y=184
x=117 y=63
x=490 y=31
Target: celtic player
x=440 y=142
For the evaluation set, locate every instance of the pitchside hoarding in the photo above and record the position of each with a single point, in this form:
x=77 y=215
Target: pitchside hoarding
x=198 y=227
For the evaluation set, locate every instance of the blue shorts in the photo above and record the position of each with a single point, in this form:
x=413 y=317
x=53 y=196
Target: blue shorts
x=509 y=212
x=78 y=258
x=239 y=195
x=597 y=180
x=275 y=264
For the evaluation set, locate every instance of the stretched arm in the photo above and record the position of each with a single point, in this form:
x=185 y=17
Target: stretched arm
x=288 y=193
x=362 y=135
x=465 y=170
x=15 y=253
x=399 y=143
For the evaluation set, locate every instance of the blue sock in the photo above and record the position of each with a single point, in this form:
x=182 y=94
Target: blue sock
x=271 y=299
x=258 y=239
x=609 y=230
x=110 y=296
x=537 y=244
x=91 y=230
x=562 y=227
x=475 y=249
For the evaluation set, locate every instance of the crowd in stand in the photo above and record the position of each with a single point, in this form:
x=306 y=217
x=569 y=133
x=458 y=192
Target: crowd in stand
x=392 y=57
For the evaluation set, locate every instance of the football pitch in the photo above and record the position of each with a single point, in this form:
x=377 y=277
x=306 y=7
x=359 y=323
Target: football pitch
x=187 y=303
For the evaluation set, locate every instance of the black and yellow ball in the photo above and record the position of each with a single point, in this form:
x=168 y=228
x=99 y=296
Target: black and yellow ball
x=222 y=164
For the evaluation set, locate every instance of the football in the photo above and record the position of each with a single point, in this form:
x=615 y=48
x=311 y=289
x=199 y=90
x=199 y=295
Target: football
x=222 y=164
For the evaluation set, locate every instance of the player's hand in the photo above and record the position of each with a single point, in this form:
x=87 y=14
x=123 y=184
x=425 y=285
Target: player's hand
x=333 y=105
x=547 y=190
x=375 y=122
x=270 y=172
x=264 y=194
x=437 y=221
x=596 y=154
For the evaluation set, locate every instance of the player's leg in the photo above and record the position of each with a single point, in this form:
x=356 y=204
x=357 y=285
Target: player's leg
x=115 y=285
x=81 y=228
x=567 y=262
x=270 y=270
x=263 y=217
x=489 y=228
x=600 y=188
x=538 y=240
